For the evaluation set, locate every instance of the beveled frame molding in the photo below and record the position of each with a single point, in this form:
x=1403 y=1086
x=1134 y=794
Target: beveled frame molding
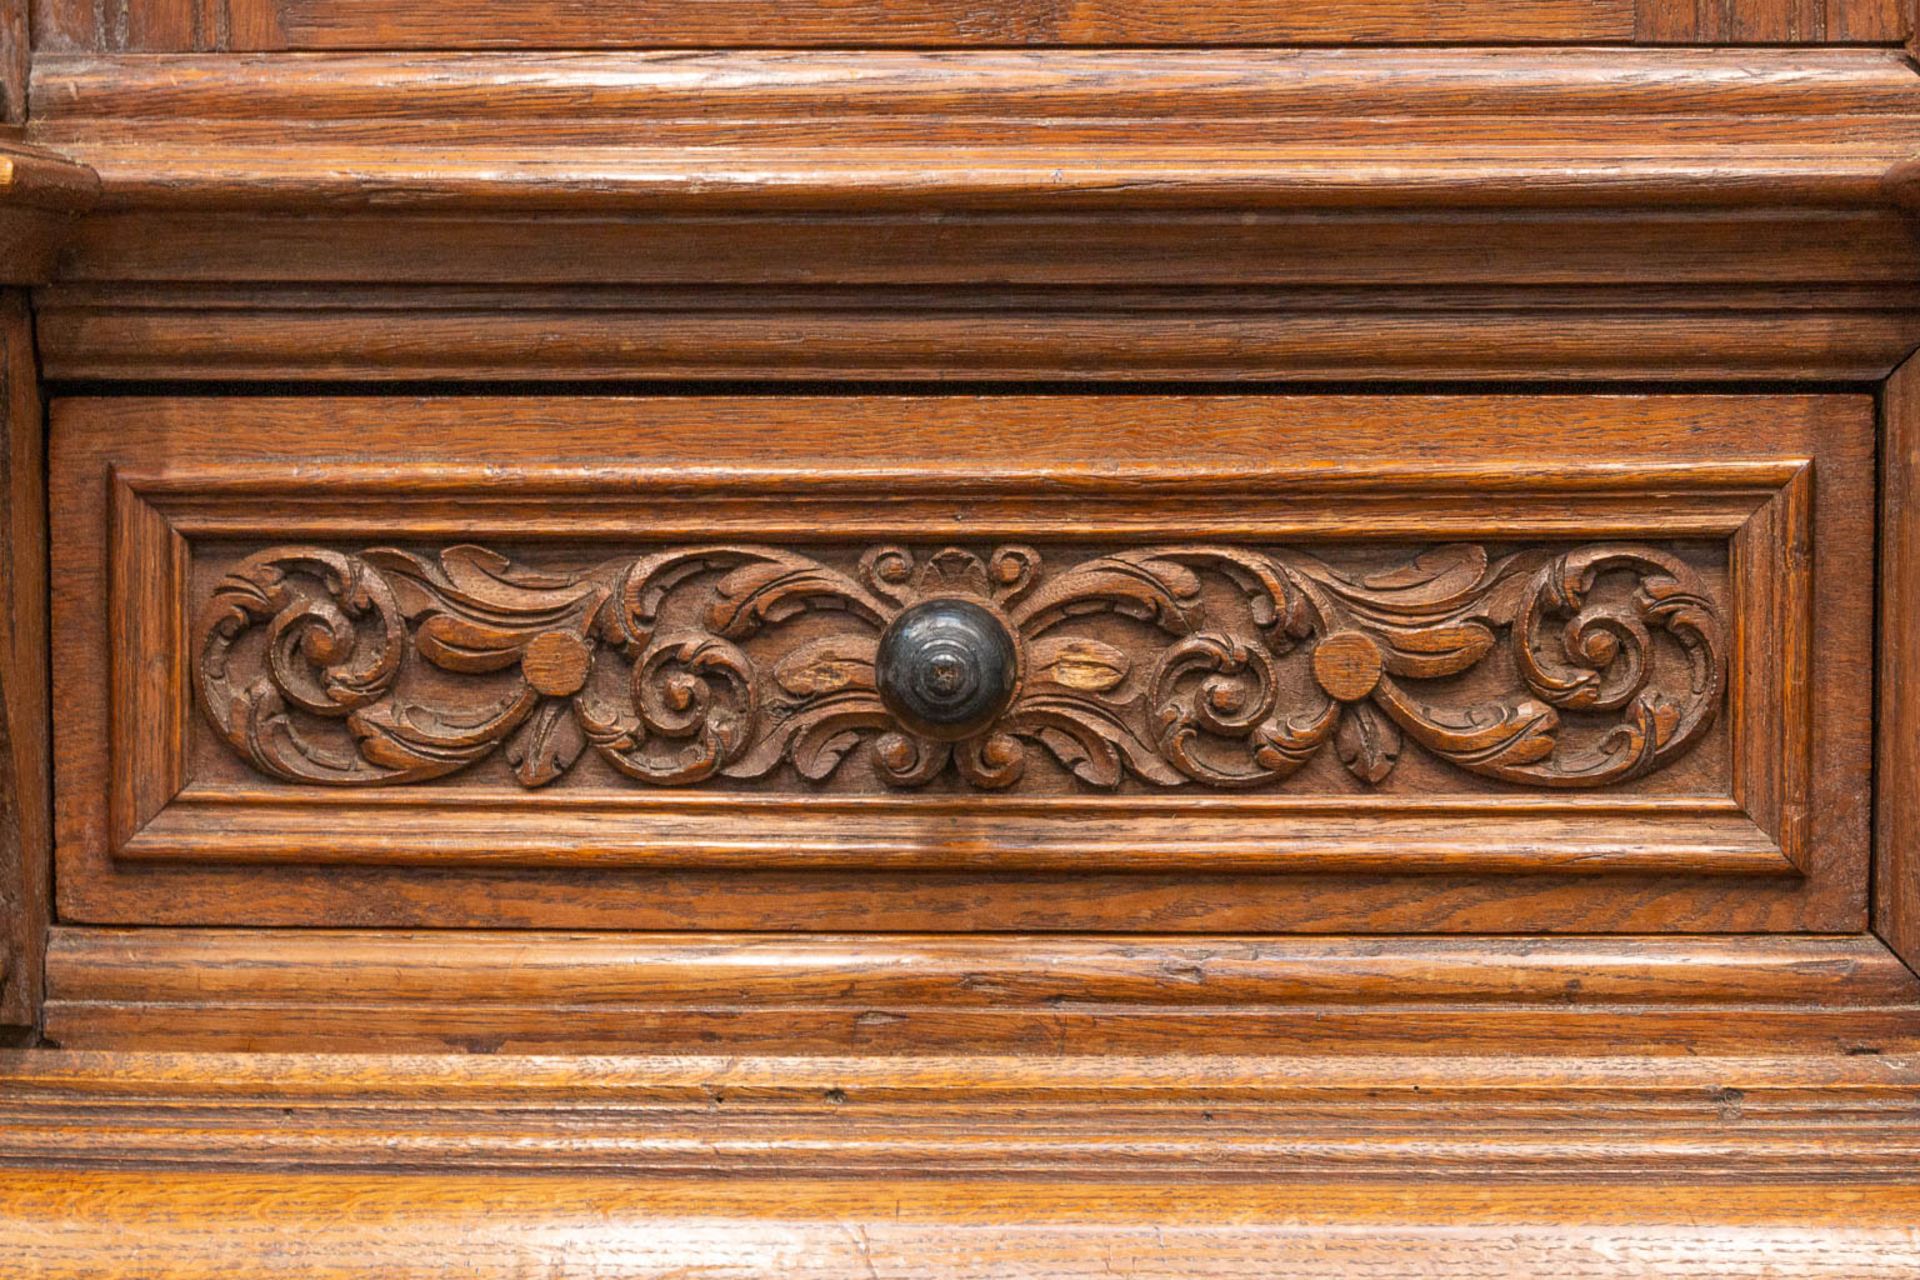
x=1760 y=506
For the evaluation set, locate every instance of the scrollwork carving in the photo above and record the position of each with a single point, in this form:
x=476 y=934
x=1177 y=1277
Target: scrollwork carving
x=649 y=661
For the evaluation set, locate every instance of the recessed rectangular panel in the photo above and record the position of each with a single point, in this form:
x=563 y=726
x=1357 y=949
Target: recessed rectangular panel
x=1555 y=652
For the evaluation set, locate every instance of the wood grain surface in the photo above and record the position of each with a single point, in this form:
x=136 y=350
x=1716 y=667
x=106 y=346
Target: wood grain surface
x=70 y=1225
x=1772 y=21
x=16 y=54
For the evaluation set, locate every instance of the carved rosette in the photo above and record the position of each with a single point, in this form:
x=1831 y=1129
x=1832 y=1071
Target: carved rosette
x=645 y=661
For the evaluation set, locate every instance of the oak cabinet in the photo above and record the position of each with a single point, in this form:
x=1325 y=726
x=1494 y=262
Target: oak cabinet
x=923 y=638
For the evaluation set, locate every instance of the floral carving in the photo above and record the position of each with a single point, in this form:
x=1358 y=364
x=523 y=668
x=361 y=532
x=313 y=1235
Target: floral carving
x=645 y=661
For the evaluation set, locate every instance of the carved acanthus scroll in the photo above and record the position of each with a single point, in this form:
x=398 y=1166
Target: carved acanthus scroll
x=645 y=660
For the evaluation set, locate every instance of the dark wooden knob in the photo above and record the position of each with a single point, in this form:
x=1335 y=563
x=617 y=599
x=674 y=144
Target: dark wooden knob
x=946 y=668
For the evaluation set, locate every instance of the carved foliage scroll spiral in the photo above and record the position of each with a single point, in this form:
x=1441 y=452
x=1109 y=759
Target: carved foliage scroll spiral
x=670 y=696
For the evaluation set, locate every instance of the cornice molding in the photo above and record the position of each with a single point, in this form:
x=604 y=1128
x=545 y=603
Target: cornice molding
x=1261 y=214
x=1061 y=131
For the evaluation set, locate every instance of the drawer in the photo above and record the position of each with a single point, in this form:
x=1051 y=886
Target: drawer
x=1563 y=663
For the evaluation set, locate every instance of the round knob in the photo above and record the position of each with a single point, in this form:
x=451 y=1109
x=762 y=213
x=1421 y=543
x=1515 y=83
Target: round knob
x=946 y=668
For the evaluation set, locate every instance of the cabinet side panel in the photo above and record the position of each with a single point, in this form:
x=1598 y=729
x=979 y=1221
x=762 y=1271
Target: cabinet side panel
x=1896 y=881
x=24 y=800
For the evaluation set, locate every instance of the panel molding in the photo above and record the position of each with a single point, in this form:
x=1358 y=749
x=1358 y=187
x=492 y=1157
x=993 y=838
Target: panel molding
x=1761 y=505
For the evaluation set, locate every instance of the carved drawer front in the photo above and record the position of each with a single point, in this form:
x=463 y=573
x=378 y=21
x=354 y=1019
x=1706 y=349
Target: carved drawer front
x=1130 y=663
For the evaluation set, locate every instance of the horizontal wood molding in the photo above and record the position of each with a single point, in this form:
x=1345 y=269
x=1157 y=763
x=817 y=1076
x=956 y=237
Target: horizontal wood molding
x=987 y=214
x=1688 y=1164
x=321 y=24
x=364 y=331
x=1064 y=132
x=1494 y=1120
x=604 y=97
x=79 y=1225
x=528 y=992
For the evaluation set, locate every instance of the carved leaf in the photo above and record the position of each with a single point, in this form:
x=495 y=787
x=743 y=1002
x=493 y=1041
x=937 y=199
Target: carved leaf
x=1089 y=740
x=693 y=712
x=1368 y=743
x=489 y=580
x=475 y=610
x=425 y=742
x=1498 y=739
x=953 y=571
x=1282 y=748
x=1078 y=663
x=815 y=738
x=486 y=586
x=907 y=761
x=993 y=761
x=1134 y=584
x=827 y=665
x=1442 y=574
x=777 y=589
x=1426 y=653
x=547 y=745
x=458 y=644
